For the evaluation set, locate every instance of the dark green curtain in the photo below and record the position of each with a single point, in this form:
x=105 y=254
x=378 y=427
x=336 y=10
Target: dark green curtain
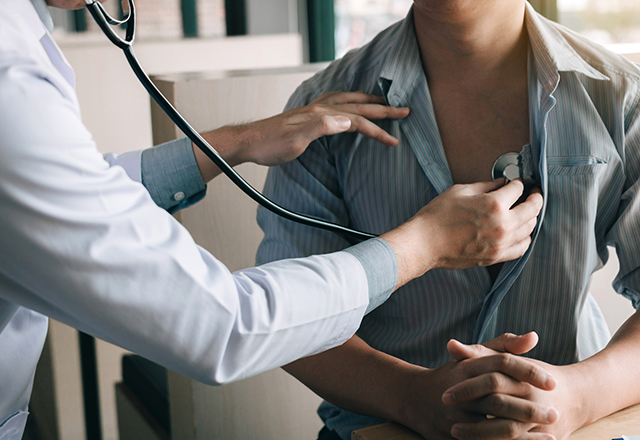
x=79 y=20
x=236 y=17
x=322 y=27
x=189 y=18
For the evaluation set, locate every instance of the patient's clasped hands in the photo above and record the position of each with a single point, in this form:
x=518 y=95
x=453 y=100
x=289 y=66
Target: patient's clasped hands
x=487 y=392
x=543 y=404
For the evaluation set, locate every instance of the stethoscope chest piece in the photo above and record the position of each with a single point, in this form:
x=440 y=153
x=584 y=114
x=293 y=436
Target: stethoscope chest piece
x=506 y=166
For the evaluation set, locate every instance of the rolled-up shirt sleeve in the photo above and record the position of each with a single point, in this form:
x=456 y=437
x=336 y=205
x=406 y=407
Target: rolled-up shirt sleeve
x=625 y=233
x=169 y=172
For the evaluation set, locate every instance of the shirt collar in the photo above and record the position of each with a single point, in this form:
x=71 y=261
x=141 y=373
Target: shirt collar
x=43 y=12
x=404 y=64
x=551 y=52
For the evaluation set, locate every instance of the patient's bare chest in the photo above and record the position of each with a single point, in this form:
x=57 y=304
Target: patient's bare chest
x=476 y=130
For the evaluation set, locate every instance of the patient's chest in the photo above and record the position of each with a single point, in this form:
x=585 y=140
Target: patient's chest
x=477 y=129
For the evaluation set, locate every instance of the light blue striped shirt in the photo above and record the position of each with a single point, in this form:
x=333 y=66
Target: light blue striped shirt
x=584 y=153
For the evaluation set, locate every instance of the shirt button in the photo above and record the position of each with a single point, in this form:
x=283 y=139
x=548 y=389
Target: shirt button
x=178 y=196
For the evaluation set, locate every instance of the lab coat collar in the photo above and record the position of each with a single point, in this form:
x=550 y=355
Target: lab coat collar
x=27 y=11
x=43 y=12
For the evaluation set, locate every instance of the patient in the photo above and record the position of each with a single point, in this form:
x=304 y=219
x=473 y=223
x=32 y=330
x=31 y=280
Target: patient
x=482 y=78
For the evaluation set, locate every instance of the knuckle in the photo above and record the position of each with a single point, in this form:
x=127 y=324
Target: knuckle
x=494 y=382
x=502 y=230
x=315 y=109
x=463 y=392
x=505 y=360
x=532 y=414
x=533 y=373
x=493 y=254
x=512 y=429
x=325 y=122
x=494 y=207
x=497 y=404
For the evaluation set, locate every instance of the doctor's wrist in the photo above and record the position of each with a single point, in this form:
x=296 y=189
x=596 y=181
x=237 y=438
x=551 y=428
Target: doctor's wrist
x=230 y=142
x=410 y=242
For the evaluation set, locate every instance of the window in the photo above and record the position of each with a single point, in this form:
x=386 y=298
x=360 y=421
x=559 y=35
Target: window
x=603 y=21
x=358 y=21
x=156 y=19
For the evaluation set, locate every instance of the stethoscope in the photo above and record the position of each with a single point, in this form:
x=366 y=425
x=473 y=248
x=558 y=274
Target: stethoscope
x=506 y=166
x=104 y=20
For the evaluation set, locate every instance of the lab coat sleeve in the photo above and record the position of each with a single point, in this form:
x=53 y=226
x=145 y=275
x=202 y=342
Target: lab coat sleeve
x=625 y=233
x=84 y=244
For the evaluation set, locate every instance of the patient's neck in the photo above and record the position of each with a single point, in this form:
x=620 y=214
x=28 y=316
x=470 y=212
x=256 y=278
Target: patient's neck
x=471 y=42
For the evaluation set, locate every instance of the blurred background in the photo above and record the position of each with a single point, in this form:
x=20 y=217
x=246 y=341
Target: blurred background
x=178 y=36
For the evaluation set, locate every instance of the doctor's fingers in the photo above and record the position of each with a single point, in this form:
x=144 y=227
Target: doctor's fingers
x=370 y=111
x=524 y=230
x=327 y=124
x=529 y=209
x=334 y=98
x=498 y=429
x=513 y=252
x=509 y=194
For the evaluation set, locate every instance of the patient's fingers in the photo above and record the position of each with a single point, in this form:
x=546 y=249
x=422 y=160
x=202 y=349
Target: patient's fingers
x=515 y=344
x=505 y=343
x=507 y=406
x=519 y=368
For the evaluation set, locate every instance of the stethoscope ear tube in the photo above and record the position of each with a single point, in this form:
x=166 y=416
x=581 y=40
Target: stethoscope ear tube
x=101 y=17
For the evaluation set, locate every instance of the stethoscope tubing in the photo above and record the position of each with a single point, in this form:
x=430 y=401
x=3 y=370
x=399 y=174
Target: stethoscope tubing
x=103 y=20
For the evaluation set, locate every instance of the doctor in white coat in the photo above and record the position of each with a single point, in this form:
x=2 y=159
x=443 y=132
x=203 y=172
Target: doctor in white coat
x=89 y=240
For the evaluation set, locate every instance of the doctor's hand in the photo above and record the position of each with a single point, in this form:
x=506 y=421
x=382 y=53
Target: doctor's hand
x=428 y=414
x=284 y=137
x=466 y=226
x=515 y=403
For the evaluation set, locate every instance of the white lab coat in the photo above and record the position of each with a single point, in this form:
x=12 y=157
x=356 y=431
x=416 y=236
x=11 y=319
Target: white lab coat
x=83 y=243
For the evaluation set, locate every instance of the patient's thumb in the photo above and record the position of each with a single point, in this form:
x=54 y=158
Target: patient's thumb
x=514 y=344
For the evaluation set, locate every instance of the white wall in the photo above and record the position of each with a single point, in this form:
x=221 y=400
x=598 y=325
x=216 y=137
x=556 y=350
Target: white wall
x=114 y=105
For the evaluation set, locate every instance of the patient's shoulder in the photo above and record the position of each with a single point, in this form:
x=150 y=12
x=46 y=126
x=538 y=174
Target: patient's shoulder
x=357 y=70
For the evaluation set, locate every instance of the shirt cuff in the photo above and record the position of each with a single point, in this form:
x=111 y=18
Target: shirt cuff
x=381 y=267
x=171 y=175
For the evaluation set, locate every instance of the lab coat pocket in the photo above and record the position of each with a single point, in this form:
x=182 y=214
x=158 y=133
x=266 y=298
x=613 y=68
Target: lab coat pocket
x=13 y=427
